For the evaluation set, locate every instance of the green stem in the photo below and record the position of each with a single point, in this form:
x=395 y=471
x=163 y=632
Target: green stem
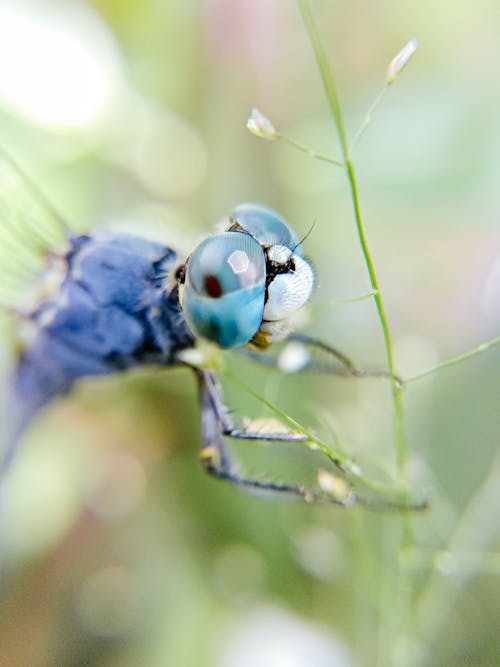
x=368 y=117
x=352 y=299
x=399 y=602
x=333 y=101
x=454 y=360
x=326 y=76
x=308 y=151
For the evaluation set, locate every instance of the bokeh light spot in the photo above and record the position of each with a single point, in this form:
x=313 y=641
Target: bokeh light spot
x=59 y=66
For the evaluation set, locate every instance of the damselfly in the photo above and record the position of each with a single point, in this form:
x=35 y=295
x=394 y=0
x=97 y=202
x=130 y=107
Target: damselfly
x=110 y=301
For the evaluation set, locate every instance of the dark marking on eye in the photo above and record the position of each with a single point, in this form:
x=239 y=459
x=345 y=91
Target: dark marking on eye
x=213 y=287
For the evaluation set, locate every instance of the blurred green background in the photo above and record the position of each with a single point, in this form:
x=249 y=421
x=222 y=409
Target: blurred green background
x=117 y=550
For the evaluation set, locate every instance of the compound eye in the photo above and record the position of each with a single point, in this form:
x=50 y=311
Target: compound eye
x=266 y=226
x=224 y=291
x=289 y=291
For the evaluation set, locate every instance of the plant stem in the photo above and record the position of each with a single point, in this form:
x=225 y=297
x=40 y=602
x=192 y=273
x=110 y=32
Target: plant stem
x=368 y=117
x=333 y=101
x=352 y=299
x=308 y=151
x=398 y=604
x=453 y=361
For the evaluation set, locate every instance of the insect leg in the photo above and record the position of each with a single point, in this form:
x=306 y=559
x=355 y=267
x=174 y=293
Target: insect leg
x=332 y=360
x=226 y=423
x=214 y=426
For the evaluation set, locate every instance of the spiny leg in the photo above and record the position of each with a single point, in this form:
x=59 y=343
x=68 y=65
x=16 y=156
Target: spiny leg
x=226 y=423
x=229 y=431
x=215 y=425
x=349 y=367
x=335 y=362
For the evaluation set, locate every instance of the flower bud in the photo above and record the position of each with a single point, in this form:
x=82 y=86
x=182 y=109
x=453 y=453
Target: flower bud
x=260 y=125
x=400 y=60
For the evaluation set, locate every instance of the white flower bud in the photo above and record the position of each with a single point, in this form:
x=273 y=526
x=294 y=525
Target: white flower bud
x=260 y=125
x=400 y=60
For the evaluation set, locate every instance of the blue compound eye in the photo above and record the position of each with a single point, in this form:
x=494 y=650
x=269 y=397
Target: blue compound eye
x=266 y=226
x=224 y=290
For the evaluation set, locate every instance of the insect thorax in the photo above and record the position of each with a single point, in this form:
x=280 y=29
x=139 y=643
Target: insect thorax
x=116 y=307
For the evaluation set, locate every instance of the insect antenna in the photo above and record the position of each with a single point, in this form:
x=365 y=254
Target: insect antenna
x=306 y=236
